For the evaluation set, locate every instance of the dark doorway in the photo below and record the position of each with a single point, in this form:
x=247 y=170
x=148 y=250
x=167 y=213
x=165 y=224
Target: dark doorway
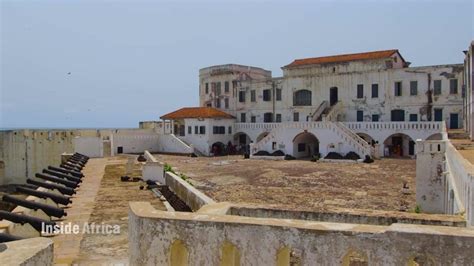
x=333 y=96
x=411 y=148
x=242 y=139
x=120 y=150
x=398 y=115
x=397 y=143
x=438 y=114
x=453 y=121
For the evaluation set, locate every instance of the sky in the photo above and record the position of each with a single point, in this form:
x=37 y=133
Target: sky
x=111 y=64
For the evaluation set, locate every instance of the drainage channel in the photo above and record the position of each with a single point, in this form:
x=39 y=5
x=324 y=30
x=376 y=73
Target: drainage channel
x=175 y=202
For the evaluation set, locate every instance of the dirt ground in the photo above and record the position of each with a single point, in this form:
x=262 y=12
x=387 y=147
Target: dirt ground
x=111 y=207
x=302 y=184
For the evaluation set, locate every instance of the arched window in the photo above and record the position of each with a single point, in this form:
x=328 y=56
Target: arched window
x=302 y=98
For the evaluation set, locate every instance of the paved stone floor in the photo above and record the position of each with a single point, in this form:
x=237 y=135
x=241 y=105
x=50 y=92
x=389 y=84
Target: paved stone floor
x=102 y=199
x=302 y=184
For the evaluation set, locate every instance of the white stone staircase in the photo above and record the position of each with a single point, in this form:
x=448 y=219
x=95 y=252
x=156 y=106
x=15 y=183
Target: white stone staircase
x=259 y=145
x=317 y=115
x=353 y=139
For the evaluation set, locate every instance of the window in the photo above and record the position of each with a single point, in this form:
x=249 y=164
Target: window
x=453 y=86
x=398 y=88
x=218 y=103
x=302 y=98
x=360 y=116
x=253 y=119
x=267 y=95
x=207 y=88
x=253 y=98
x=375 y=90
x=278 y=118
x=437 y=87
x=301 y=147
x=230 y=130
x=196 y=130
x=218 y=130
x=296 y=117
x=218 y=88
x=397 y=115
x=242 y=117
x=360 y=91
x=413 y=88
x=438 y=114
x=278 y=94
x=226 y=103
x=202 y=130
x=267 y=117
x=226 y=86
x=190 y=130
x=242 y=96
x=413 y=117
x=375 y=118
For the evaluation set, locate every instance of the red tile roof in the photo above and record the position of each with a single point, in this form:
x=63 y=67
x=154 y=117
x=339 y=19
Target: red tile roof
x=196 y=112
x=343 y=58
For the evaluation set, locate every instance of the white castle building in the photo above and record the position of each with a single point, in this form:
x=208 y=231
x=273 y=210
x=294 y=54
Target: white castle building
x=370 y=103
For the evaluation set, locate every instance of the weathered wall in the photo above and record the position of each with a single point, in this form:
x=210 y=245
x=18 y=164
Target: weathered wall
x=153 y=169
x=157 y=238
x=28 y=252
x=27 y=151
x=92 y=147
x=134 y=140
x=346 y=77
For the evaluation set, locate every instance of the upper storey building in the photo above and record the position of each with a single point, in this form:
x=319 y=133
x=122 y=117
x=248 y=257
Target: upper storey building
x=371 y=86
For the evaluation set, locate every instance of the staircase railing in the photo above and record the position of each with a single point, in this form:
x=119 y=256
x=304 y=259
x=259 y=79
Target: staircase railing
x=317 y=114
x=259 y=145
x=333 y=112
x=360 y=141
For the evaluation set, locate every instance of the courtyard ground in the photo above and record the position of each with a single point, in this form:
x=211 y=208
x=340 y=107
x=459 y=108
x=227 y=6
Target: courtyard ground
x=301 y=184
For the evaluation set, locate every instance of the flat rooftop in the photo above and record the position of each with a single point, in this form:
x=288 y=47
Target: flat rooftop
x=301 y=184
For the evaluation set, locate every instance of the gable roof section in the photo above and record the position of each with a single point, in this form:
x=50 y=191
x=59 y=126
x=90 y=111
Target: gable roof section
x=196 y=112
x=344 y=58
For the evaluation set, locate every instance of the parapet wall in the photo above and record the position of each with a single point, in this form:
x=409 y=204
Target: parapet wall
x=444 y=180
x=194 y=198
x=164 y=238
x=32 y=251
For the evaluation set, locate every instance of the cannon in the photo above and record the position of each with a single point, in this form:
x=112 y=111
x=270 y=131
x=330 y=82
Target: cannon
x=78 y=162
x=63 y=176
x=76 y=154
x=74 y=165
x=58 y=199
x=70 y=167
x=48 y=209
x=7 y=238
x=62 y=170
x=36 y=223
x=64 y=190
x=61 y=181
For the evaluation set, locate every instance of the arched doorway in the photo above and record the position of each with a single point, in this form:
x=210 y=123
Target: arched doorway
x=305 y=145
x=399 y=145
x=241 y=142
x=218 y=149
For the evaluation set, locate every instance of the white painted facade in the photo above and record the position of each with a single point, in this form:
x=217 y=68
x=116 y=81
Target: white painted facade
x=381 y=91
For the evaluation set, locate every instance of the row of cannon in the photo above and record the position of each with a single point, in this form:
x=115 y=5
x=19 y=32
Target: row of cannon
x=59 y=183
